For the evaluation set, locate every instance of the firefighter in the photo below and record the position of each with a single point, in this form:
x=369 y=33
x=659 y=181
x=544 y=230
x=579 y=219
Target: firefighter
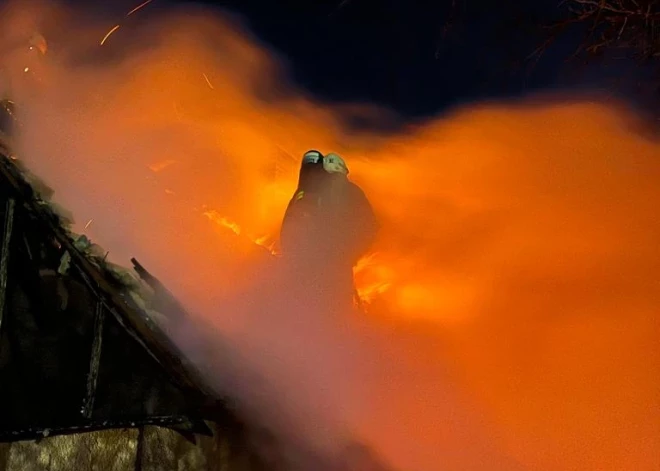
x=329 y=224
x=350 y=211
x=297 y=228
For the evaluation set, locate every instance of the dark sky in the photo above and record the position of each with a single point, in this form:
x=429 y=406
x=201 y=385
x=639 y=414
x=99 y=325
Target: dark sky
x=417 y=57
x=394 y=52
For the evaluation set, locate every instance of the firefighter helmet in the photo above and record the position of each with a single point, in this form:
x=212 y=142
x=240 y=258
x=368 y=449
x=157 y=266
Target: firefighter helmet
x=333 y=163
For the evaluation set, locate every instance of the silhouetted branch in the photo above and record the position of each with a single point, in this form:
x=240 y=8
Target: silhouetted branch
x=627 y=24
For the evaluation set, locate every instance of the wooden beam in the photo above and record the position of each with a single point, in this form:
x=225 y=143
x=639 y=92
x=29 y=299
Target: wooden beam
x=139 y=450
x=169 y=421
x=94 y=361
x=150 y=336
x=4 y=253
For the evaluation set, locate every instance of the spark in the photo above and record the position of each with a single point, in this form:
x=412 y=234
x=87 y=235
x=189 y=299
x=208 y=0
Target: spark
x=140 y=6
x=27 y=69
x=208 y=81
x=88 y=223
x=116 y=27
x=109 y=33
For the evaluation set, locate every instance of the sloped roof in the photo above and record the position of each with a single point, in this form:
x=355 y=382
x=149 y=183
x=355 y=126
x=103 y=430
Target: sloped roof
x=78 y=349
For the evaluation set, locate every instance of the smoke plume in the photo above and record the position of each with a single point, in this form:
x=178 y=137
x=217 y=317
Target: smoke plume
x=514 y=287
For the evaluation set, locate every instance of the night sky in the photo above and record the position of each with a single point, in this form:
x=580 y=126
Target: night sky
x=405 y=54
x=421 y=57
x=416 y=57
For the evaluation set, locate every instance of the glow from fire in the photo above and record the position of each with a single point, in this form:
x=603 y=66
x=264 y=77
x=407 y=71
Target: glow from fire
x=373 y=276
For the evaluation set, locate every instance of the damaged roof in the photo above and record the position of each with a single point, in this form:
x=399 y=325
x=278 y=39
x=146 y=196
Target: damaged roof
x=79 y=349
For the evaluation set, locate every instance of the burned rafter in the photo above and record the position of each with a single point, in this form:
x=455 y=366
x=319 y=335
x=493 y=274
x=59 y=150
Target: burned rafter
x=41 y=242
x=175 y=422
x=7 y=232
x=94 y=361
x=164 y=300
x=164 y=351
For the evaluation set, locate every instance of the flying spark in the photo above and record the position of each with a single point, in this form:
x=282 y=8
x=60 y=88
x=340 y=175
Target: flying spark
x=109 y=33
x=141 y=5
x=88 y=223
x=208 y=81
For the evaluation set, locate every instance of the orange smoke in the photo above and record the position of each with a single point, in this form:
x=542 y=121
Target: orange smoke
x=513 y=292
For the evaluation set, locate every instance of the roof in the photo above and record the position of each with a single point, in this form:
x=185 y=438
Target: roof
x=79 y=349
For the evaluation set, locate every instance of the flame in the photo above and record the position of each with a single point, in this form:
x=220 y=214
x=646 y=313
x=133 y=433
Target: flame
x=222 y=221
x=373 y=276
x=263 y=241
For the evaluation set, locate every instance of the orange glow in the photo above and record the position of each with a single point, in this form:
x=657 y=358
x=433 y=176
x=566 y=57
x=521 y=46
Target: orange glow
x=513 y=292
x=115 y=28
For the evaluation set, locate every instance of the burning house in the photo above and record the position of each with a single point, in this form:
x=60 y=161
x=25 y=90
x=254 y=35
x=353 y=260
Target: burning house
x=87 y=379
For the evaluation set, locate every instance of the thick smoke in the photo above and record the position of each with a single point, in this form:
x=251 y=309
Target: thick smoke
x=517 y=328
